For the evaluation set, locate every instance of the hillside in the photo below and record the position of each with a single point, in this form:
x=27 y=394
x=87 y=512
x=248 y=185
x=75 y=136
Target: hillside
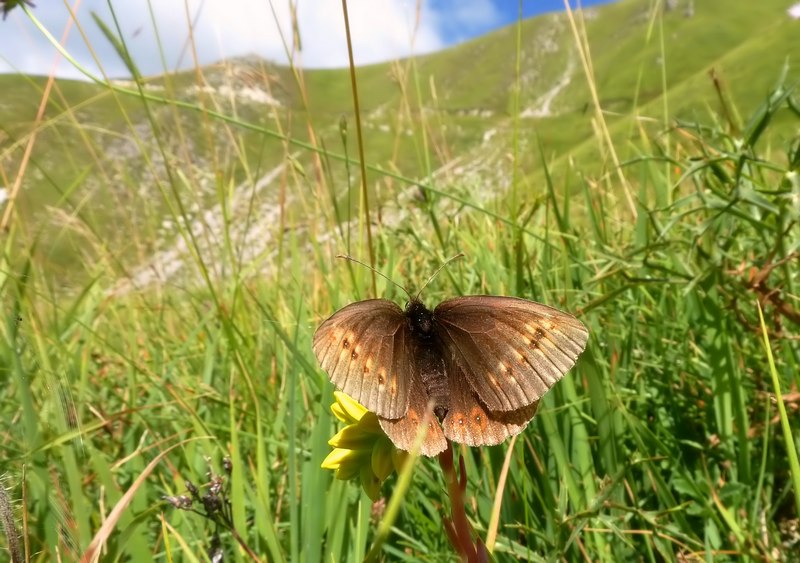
x=449 y=117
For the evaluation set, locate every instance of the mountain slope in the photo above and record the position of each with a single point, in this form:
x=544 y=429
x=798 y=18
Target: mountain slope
x=118 y=179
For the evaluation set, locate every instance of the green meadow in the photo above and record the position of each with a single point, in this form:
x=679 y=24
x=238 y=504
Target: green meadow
x=170 y=243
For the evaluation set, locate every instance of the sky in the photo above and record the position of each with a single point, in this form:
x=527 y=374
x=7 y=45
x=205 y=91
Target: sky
x=158 y=33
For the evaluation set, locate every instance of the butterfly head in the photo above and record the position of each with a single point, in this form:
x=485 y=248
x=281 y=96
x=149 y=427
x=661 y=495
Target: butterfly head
x=420 y=319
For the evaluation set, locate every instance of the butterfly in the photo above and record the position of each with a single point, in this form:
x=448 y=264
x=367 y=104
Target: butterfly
x=475 y=367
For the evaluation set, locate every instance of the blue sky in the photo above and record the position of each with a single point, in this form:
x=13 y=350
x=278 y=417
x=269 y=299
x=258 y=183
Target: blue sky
x=158 y=32
x=507 y=12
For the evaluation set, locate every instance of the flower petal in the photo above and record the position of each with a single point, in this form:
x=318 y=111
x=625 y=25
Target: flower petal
x=335 y=458
x=381 y=461
x=352 y=465
x=399 y=458
x=346 y=408
x=370 y=482
x=354 y=437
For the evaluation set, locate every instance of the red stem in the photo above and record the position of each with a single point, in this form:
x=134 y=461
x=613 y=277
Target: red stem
x=459 y=532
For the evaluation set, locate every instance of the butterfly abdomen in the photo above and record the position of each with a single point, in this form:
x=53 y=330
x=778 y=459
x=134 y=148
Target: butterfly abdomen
x=434 y=378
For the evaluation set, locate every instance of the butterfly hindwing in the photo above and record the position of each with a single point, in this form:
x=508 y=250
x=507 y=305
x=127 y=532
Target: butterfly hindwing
x=365 y=349
x=511 y=351
x=469 y=422
x=403 y=431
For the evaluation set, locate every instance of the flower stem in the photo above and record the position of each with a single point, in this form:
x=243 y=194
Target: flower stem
x=457 y=526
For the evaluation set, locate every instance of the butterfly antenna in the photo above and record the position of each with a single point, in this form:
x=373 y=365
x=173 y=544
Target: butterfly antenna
x=436 y=273
x=367 y=266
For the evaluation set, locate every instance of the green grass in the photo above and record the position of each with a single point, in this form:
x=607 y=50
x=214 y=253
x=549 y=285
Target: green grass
x=664 y=443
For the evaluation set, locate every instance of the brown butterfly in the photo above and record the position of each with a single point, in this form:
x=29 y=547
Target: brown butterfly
x=480 y=364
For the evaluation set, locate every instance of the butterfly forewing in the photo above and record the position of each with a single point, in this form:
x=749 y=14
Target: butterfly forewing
x=365 y=349
x=510 y=351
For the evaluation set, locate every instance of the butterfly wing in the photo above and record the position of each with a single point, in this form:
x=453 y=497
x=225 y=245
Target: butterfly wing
x=365 y=350
x=403 y=431
x=469 y=422
x=511 y=351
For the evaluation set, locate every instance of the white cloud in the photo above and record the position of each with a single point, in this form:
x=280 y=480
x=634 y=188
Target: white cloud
x=381 y=30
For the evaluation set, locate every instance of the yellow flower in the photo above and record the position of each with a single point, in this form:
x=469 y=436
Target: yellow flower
x=347 y=409
x=361 y=449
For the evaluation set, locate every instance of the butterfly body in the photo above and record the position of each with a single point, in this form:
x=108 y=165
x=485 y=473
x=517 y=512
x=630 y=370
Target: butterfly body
x=420 y=320
x=475 y=367
x=433 y=376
